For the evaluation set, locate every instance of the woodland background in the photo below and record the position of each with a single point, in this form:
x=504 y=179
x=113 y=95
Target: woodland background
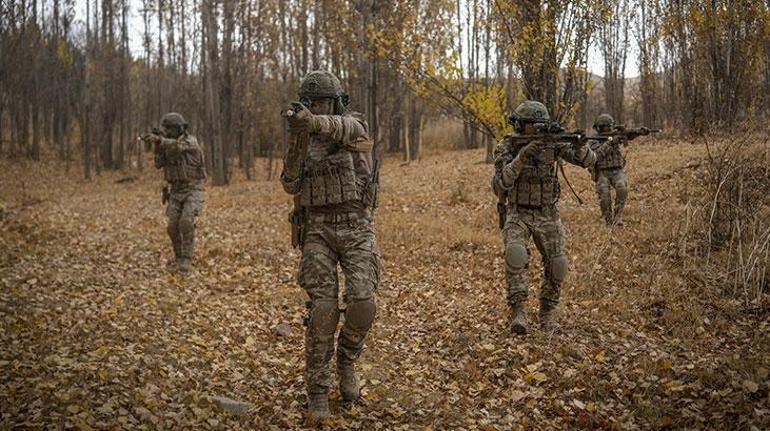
x=666 y=320
x=446 y=71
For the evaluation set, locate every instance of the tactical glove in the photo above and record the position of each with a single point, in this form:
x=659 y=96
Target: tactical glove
x=530 y=151
x=303 y=120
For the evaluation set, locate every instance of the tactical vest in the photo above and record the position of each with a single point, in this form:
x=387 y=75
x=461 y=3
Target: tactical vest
x=537 y=185
x=613 y=159
x=185 y=167
x=329 y=177
x=181 y=172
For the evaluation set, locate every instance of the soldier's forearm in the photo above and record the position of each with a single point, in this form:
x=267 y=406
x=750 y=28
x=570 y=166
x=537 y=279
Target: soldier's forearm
x=340 y=128
x=510 y=172
x=583 y=157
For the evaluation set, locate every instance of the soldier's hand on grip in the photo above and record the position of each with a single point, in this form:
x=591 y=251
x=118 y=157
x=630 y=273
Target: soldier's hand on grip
x=531 y=150
x=580 y=140
x=152 y=138
x=299 y=120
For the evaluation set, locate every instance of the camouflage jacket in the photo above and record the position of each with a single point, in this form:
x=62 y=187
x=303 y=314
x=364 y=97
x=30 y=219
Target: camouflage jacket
x=336 y=176
x=608 y=156
x=533 y=183
x=182 y=162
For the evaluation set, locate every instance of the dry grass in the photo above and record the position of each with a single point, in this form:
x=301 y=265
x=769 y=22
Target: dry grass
x=91 y=318
x=442 y=134
x=725 y=241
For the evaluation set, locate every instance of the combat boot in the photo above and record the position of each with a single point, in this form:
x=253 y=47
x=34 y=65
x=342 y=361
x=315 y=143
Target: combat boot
x=608 y=218
x=546 y=316
x=618 y=220
x=519 y=319
x=349 y=389
x=183 y=264
x=318 y=407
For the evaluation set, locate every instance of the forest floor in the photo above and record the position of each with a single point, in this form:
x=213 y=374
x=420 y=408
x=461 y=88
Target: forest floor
x=96 y=332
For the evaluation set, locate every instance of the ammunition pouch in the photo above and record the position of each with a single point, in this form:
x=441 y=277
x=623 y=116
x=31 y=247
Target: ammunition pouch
x=182 y=172
x=612 y=160
x=536 y=187
x=331 y=181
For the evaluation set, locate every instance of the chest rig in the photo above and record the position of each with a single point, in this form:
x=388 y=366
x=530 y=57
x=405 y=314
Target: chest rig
x=613 y=159
x=185 y=166
x=329 y=177
x=537 y=185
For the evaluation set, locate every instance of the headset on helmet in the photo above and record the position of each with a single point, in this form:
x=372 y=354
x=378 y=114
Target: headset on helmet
x=529 y=111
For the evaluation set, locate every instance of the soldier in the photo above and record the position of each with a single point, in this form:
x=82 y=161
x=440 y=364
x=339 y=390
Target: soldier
x=609 y=166
x=335 y=190
x=609 y=172
x=181 y=158
x=525 y=181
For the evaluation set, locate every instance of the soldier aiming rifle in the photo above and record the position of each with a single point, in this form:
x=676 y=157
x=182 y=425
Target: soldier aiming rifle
x=526 y=183
x=177 y=152
x=610 y=163
x=329 y=171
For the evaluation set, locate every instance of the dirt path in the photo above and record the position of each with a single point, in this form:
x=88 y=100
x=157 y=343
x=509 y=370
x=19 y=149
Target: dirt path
x=96 y=333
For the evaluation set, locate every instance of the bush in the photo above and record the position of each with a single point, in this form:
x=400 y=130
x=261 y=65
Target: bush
x=728 y=232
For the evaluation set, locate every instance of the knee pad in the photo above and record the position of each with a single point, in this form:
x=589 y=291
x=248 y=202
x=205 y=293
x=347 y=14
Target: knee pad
x=516 y=256
x=559 y=268
x=323 y=318
x=621 y=192
x=172 y=229
x=186 y=224
x=359 y=315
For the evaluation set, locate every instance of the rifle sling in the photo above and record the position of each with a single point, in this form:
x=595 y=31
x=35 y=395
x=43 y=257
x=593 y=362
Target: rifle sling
x=563 y=174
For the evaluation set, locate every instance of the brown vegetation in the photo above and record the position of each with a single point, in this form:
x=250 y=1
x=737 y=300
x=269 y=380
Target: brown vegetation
x=97 y=332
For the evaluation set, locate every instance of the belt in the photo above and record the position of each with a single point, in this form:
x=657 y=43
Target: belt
x=344 y=217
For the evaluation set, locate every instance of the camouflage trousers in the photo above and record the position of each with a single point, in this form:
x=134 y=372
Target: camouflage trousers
x=346 y=240
x=545 y=228
x=182 y=209
x=617 y=179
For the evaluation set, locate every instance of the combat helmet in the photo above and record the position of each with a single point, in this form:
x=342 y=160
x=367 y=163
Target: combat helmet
x=531 y=111
x=173 y=119
x=320 y=84
x=604 y=120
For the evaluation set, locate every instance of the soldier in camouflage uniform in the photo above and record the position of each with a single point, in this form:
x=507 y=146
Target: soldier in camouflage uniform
x=608 y=172
x=181 y=158
x=333 y=183
x=525 y=179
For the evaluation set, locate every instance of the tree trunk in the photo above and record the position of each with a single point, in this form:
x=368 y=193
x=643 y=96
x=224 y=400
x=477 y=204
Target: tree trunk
x=211 y=91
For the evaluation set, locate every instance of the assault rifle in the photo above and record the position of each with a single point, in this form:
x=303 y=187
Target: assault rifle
x=296 y=153
x=624 y=134
x=546 y=135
